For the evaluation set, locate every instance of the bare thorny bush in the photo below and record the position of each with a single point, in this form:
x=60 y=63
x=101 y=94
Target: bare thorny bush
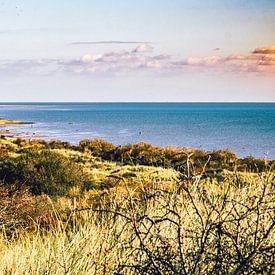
x=20 y=211
x=197 y=227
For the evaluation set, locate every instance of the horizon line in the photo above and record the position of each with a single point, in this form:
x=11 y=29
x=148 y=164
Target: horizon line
x=126 y=102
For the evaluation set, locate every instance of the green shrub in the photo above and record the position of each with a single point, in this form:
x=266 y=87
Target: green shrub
x=19 y=142
x=58 y=144
x=169 y=157
x=44 y=172
x=251 y=164
x=98 y=147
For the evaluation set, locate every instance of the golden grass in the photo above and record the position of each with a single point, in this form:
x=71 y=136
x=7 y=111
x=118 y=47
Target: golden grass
x=89 y=241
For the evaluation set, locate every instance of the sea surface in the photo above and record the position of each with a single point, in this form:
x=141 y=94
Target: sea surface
x=244 y=128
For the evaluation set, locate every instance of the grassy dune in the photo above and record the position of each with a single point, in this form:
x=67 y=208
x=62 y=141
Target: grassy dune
x=118 y=217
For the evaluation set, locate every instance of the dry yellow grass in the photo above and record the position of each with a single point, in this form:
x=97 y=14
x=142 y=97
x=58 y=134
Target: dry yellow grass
x=114 y=236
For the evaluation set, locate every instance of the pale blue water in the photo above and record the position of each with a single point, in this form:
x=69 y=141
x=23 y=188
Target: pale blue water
x=244 y=128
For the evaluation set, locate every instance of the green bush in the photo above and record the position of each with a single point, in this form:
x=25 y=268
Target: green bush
x=58 y=144
x=98 y=147
x=19 y=142
x=169 y=157
x=251 y=164
x=43 y=171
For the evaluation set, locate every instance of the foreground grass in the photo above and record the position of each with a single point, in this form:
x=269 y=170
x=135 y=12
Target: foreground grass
x=213 y=228
x=139 y=219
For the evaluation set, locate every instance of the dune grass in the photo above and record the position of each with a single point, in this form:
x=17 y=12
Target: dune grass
x=139 y=219
x=213 y=228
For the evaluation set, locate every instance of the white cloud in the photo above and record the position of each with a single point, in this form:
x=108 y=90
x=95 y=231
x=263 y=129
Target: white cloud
x=143 y=48
x=138 y=60
x=87 y=58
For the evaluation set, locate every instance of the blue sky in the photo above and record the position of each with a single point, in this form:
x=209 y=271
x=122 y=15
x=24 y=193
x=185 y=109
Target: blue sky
x=171 y=51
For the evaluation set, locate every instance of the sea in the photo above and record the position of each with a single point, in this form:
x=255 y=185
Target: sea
x=247 y=129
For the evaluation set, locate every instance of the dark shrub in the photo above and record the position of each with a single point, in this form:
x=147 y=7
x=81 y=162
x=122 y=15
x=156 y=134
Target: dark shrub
x=144 y=154
x=44 y=172
x=251 y=164
x=170 y=157
x=19 y=142
x=128 y=175
x=223 y=159
x=58 y=144
x=98 y=147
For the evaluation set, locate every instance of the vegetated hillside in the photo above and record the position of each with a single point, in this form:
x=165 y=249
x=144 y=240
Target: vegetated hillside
x=97 y=208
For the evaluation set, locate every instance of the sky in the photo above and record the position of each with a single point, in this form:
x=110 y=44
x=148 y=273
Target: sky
x=146 y=50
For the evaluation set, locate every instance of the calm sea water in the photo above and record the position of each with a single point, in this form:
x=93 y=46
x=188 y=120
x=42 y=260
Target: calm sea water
x=244 y=128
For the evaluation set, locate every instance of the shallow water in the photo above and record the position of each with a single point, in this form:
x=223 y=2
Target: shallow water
x=244 y=128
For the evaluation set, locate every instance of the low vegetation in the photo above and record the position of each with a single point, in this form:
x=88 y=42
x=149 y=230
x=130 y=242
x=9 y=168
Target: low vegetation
x=147 y=154
x=98 y=208
x=44 y=172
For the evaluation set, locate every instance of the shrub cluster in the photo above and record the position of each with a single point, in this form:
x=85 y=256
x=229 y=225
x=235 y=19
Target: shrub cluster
x=43 y=172
x=58 y=144
x=98 y=147
x=147 y=154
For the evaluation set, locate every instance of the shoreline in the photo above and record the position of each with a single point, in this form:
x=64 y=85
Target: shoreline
x=6 y=132
x=13 y=122
x=12 y=133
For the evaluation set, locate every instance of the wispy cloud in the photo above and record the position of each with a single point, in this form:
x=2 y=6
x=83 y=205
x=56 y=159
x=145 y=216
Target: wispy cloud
x=108 y=42
x=141 y=59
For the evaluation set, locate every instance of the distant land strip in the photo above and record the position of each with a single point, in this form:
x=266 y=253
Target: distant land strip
x=7 y=121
